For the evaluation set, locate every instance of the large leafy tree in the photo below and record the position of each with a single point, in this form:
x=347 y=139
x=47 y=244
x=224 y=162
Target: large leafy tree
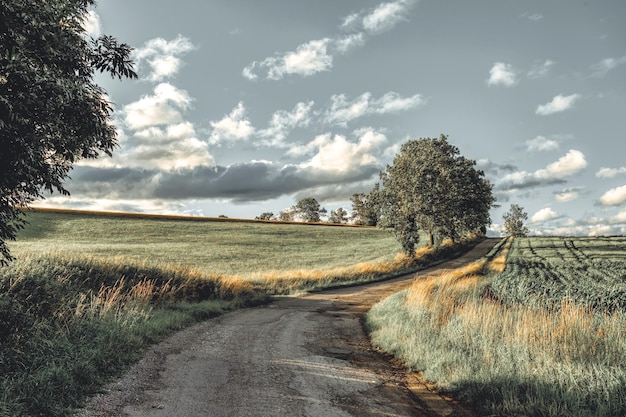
x=309 y=209
x=430 y=187
x=51 y=111
x=514 y=221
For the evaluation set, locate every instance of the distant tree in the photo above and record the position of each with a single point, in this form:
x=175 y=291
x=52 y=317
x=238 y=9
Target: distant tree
x=51 y=112
x=338 y=216
x=514 y=221
x=286 y=215
x=309 y=209
x=365 y=207
x=265 y=216
x=431 y=187
x=222 y=216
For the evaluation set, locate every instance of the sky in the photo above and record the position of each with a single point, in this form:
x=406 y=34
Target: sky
x=244 y=107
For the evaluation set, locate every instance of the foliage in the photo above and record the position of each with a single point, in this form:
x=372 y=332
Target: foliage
x=365 y=207
x=286 y=215
x=514 y=221
x=268 y=215
x=51 y=111
x=550 y=353
x=338 y=216
x=309 y=209
x=431 y=187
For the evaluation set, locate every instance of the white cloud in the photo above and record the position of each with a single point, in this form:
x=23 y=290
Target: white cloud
x=308 y=59
x=392 y=102
x=568 y=194
x=386 y=16
x=343 y=45
x=114 y=204
x=541 y=143
x=567 y=165
x=614 y=197
x=171 y=148
x=283 y=122
x=603 y=67
x=610 y=172
x=619 y=217
x=351 y=22
x=162 y=108
x=502 y=74
x=535 y=17
x=233 y=126
x=543 y=215
x=341 y=110
x=337 y=155
x=316 y=56
x=558 y=104
x=92 y=24
x=540 y=70
x=162 y=56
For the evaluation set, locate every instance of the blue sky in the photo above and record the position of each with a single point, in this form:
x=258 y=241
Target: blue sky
x=244 y=107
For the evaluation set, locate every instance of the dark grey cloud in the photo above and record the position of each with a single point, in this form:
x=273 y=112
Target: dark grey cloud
x=239 y=183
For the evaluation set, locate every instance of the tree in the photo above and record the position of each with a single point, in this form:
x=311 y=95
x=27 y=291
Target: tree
x=514 y=221
x=338 y=216
x=285 y=215
x=268 y=215
x=365 y=207
x=51 y=111
x=309 y=209
x=430 y=187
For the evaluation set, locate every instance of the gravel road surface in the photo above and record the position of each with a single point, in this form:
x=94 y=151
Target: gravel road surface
x=299 y=356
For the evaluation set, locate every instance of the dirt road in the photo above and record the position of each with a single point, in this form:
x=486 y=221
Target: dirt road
x=299 y=356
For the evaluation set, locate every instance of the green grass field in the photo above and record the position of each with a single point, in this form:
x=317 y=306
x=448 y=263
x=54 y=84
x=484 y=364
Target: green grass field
x=215 y=247
x=544 y=337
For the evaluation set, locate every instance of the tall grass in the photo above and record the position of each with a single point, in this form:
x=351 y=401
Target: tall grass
x=506 y=359
x=66 y=325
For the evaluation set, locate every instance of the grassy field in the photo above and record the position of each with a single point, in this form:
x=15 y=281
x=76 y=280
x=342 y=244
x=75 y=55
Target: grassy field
x=545 y=336
x=212 y=247
x=89 y=292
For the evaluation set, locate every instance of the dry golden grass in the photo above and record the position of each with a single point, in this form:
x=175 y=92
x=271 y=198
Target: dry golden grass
x=293 y=281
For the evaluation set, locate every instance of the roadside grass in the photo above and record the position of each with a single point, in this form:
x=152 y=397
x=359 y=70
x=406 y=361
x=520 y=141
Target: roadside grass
x=89 y=293
x=562 y=358
x=67 y=325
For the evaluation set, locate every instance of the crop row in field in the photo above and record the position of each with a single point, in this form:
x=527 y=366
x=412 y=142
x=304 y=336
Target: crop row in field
x=589 y=271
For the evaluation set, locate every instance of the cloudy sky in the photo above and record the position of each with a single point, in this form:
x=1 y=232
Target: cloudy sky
x=244 y=107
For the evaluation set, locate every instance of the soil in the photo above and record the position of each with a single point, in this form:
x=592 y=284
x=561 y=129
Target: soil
x=298 y=356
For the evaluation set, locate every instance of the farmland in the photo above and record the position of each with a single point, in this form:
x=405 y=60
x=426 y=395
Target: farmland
x=88 y=292
x=216 y=247
x=588 y=271
x=546 y=336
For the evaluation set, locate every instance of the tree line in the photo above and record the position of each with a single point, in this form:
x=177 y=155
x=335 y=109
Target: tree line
x=429 y=189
